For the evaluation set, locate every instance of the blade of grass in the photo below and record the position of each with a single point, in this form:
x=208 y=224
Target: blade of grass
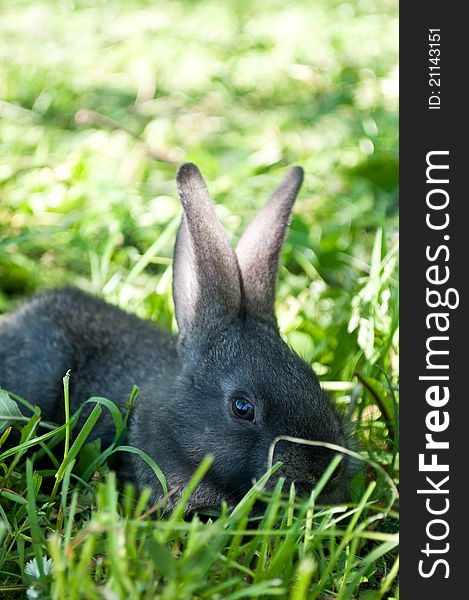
x=150 y=462
x=158 y=244
x=303 y=576
x=37 y=535
x=77 y=444
x=115 y=414
x=33 y=442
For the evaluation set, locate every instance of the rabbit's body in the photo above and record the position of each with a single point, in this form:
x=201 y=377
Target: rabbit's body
x=106 y=349
x=226 y=385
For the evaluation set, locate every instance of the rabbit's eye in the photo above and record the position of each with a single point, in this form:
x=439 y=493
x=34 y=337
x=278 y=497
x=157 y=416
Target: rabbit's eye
x=242 y=408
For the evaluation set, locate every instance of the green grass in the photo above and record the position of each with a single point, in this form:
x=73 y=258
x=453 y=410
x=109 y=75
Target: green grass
x=91 y=540
x=100 y=102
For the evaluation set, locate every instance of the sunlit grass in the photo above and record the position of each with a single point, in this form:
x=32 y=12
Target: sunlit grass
x=87 y=539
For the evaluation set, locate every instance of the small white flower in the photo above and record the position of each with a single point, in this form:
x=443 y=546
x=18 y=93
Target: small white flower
x=32 y=568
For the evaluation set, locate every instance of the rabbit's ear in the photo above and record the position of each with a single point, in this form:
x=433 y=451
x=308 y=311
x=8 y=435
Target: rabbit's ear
x=259 y=248
x=206 y=280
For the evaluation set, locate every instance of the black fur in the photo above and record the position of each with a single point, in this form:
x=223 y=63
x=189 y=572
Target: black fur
x=228 y=343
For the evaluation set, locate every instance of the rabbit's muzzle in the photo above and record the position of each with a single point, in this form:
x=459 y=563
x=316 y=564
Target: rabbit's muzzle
x=304 y=465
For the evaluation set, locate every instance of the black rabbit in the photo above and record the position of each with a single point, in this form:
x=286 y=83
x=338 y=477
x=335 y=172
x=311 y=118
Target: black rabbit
x=227 y=385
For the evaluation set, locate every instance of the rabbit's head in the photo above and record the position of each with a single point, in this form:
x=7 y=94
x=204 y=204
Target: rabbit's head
x=240 y=385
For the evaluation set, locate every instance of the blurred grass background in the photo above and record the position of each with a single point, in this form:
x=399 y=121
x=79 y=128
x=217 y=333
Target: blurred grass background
x=101 y=101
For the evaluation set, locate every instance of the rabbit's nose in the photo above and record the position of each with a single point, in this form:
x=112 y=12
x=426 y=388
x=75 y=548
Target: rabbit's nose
x=307 y=481
x=302 y=464
x=305 y=487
